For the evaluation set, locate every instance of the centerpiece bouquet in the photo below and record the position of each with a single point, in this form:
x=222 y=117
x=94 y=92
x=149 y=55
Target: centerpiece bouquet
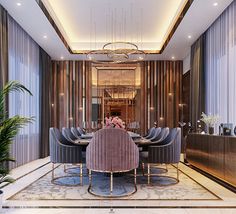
x=114 y=122
x=210 y=121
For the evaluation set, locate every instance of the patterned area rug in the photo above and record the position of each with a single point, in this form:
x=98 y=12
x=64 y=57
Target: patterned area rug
x=186 y=189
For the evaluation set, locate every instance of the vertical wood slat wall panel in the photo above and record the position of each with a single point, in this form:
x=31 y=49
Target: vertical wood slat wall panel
x=67 y=93
x=80 y=82
x=88 y=92
x=70 y=95
x=158 y=79
x=76 y=98
x=168 y=78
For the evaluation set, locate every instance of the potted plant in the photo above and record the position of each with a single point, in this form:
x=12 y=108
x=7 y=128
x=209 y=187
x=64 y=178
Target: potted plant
x=210 y=121
x=9 y=128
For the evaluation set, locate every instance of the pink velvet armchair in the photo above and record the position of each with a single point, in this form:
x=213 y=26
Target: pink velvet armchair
x=112 y=150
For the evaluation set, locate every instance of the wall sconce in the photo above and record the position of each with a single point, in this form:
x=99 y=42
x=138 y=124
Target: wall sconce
x=181 y=105
x=170 y=94
x=152 y=108
x=61 y=94
x=52 y=105
x=71 y=118
x=161 y=118
x=81 y=108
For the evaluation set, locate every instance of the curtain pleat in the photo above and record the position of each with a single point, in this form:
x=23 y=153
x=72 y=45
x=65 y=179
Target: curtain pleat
x=24 y=67
x=197 y=80
x=3 y=47
x=45 y=88
x=221 y=66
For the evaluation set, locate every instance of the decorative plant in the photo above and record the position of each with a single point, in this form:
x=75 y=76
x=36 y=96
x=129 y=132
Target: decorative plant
x=209 y=120
x=114 y=122
x=9 y=127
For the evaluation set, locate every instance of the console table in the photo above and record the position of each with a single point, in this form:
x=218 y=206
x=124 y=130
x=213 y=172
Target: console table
x=213 y=154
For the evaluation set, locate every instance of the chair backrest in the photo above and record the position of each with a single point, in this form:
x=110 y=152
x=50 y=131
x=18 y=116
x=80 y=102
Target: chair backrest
x=112 y=150
x=61 y=150
x=56 y=136
x=150 y=133
x=66 y=132
x=156 y=132
x=161 y=136
x=169 y=150
x=75 y=132
x=80 y=130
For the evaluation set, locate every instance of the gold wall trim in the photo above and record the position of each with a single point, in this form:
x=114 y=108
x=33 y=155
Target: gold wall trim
x=167 y=40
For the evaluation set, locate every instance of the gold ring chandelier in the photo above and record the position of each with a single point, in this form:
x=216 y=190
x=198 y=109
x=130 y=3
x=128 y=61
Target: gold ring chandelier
x=117 y=52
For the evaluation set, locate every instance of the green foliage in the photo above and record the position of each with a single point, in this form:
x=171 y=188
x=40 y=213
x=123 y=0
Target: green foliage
x=9 y=127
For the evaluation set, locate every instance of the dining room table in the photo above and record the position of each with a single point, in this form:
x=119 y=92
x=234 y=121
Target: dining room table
x=137 y=138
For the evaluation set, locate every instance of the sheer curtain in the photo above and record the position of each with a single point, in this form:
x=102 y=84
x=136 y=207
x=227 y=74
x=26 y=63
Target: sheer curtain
x=221 y=66
x=24 y=67
x=3 y=46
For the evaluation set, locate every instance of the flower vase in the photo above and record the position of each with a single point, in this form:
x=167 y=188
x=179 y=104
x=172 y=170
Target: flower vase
x=211 y=130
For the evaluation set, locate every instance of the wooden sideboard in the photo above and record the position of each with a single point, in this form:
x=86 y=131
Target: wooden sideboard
x=213 y=154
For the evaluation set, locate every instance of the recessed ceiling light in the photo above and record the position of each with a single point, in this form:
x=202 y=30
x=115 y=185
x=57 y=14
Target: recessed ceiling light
x=62 y=57
x=189 y=36
x=18 y=4
x=45 y=37
x=140 y=58
x=172 y=57
x=215 y=4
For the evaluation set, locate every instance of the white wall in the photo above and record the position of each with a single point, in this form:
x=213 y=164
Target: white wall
x=186 y=63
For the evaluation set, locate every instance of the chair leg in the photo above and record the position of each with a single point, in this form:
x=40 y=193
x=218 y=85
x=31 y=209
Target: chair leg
x=111 y=183
x=81 y=173
x=148 y=166
x=64 y=167
x=143 y=167
x=81 y=169
x=53 y=171
x=90 y=177
x=177 y=168
x=135 y=176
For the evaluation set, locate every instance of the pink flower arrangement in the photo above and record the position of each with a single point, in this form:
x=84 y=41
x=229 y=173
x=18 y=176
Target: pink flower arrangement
x=114 y=122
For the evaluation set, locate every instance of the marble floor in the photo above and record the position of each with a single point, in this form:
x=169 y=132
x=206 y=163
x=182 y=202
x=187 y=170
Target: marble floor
x=119 y=211
x=30 y=173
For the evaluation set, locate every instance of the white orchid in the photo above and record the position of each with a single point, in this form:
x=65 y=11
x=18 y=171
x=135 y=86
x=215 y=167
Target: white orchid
x=209 y=120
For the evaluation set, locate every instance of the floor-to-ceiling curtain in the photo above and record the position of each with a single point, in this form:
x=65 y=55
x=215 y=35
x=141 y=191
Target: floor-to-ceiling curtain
x=24 y=67
x=3 y=47
x=221 y=66
x=197 y=80
x=45 y=88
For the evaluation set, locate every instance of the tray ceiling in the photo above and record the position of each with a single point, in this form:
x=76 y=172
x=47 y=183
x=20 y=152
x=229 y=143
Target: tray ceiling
x=89 y=24
x=200 y=15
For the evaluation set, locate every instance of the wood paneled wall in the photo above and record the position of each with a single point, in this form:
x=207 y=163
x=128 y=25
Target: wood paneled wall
x=161 y=93
x=186 y=99
x=67 y=93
